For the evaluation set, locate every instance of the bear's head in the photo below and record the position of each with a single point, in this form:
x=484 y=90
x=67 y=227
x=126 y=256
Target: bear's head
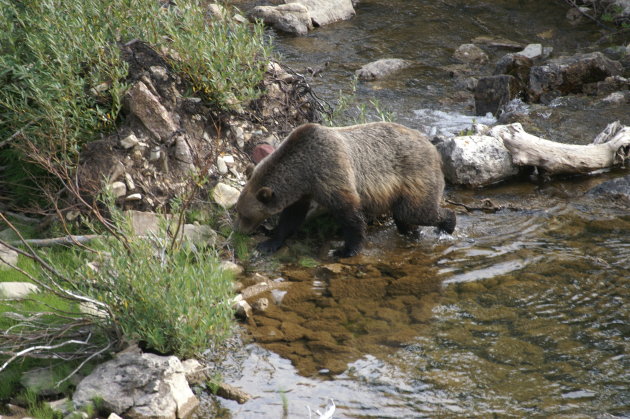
x=254 y=205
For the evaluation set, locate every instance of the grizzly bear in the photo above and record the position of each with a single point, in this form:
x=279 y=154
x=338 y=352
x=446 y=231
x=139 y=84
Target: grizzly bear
x=354 y=172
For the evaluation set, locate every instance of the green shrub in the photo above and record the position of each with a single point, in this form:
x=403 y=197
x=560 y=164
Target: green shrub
x=173 y=299
x=62 y=76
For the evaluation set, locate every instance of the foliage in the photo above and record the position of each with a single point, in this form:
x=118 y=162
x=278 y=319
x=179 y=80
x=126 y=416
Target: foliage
x=159 y=291
x=173 y=299
x=63 y=77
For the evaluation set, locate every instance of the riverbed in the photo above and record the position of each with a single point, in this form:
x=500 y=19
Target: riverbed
x=523 y=312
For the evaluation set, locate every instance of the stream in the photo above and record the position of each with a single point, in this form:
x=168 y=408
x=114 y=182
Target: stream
x=522 y=312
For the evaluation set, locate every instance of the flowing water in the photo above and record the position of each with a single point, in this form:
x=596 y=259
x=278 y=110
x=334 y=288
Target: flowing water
x=522 y=312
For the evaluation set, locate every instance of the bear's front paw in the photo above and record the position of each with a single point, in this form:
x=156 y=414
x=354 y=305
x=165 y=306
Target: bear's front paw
x=269 y=246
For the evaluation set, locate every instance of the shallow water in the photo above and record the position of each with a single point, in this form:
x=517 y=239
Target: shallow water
x=427 y=34
x=523 y=312
x=520 y=313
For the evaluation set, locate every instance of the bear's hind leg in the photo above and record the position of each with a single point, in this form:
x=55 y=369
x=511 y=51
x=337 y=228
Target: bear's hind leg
x=409 y=212
x=290 y=221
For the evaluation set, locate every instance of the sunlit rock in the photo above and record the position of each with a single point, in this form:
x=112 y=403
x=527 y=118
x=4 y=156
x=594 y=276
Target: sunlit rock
x=140 y=386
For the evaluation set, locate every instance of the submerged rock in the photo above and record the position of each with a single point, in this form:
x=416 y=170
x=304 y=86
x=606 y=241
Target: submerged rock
x=618 y=188
x=470 y=53
x=381 y=68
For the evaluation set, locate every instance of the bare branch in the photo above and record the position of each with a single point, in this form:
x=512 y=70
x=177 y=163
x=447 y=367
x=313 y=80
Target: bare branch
x=43 y=348
x=66 y=240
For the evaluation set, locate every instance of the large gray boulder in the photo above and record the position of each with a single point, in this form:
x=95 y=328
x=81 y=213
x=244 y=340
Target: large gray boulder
x=292 y=18
x=381 y=68
x=137 y=385
x=476 y=160
x=567 y=75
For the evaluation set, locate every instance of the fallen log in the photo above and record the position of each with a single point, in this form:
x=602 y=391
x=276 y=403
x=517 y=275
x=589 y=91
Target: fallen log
x=610 y=148
x=65 y=240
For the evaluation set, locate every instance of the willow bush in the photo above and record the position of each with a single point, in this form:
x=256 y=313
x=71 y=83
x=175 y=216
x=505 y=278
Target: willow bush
x=62 y=76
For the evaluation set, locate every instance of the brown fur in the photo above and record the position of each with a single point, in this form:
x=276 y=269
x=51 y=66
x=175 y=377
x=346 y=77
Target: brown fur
x=370 y=169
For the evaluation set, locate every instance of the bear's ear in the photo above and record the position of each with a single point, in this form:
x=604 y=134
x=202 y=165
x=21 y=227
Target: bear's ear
x=249 y=170
x=265 y=194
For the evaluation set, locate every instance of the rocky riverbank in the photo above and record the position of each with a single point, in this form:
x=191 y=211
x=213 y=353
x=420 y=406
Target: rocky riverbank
x=168 y=133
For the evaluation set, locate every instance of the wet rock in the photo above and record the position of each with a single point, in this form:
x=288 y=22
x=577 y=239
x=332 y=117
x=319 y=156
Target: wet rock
x=618 y=188
x=492 y=93
x=324 y=12
x=258 y=289
x=607 y=86
x=567 y=75
x=147 y=107
x=535 y=52
x=261 y=305
x=225 y=195
x=617 y=98
x=476 y=160
x=17 y=290
x=470 y=54
x=232 y=393
x=578 y=15
x=381 y=68
x=497 y=42
x=8 y=257
x=140 y=386
x=292 y=18
x=515 y=65
x=261 y=151
x=243 y=310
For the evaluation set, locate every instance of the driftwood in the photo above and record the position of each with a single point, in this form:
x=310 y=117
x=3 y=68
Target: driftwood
x=610 y=148
x=66 y=240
